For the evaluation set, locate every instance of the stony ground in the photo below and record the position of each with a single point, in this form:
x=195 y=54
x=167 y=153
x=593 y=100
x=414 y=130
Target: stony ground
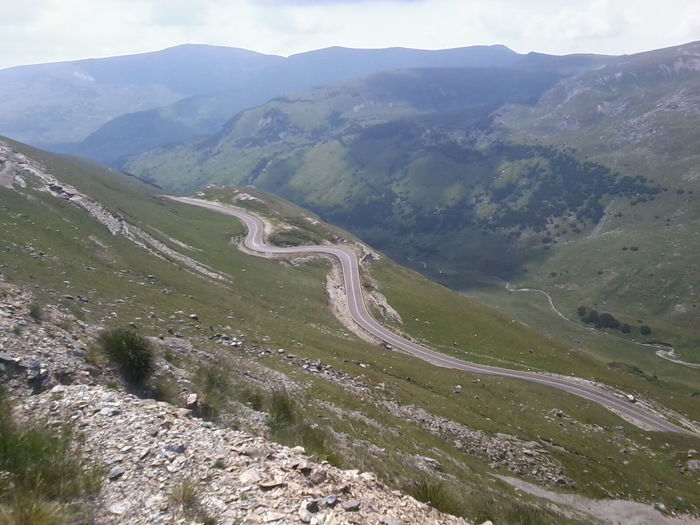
x=160 y=464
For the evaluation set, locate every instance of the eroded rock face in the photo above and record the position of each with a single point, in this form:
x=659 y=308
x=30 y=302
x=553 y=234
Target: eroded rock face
x=149 y=449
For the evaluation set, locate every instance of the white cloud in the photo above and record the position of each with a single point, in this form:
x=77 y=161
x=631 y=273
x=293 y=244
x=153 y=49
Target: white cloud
x=48 y=30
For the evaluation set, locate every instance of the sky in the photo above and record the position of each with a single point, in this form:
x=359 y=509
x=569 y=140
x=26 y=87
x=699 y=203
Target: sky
x=37 y=31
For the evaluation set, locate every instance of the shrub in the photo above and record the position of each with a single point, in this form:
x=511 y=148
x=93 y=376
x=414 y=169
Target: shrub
x=287 y=427
x=186 y=495
x=282 y=412
x=606 y=320
x=166 y=388
x=645 y=330
x=130 y=351
x=591 y=317
x=437 y=495
x=28 y=510
x=36 y=312
x=214 y=389
x=42 y=475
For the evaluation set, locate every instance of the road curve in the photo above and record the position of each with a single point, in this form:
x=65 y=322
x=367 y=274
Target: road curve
x=255 y=242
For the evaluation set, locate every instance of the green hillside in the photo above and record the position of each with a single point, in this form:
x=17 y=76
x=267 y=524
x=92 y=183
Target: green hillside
x=52 y=246
x=584 y=187
x=637 y=115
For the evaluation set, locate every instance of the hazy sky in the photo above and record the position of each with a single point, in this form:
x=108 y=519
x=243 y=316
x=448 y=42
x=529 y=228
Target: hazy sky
x=33 y=31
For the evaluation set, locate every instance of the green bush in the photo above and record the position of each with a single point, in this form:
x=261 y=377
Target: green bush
x=214 y=389
x=437 y=495
x=186 y=495
x=166 y=388
x=43 y=479
x=511 y=512
x=130 y=351
x=287 y=426
x=281 y=411
x=36 y=312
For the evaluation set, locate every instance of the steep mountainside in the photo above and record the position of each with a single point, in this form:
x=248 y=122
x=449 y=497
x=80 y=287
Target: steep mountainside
x=66 y=101
x=263 y=345
x=135 y=133
x=637 y=115
x=583 y=186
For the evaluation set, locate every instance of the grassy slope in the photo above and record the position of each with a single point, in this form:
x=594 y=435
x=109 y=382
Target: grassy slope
x=310 y=149
x=637 y=115
x=280 y=306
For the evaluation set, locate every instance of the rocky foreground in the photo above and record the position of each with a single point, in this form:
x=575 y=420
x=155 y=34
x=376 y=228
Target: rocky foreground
x=160 y=464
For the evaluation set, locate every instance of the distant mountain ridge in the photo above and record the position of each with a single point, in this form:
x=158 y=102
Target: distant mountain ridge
x=66 y=101
x=580 y=184
x=113 y=108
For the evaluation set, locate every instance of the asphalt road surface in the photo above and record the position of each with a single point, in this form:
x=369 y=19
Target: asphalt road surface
x=358 y=310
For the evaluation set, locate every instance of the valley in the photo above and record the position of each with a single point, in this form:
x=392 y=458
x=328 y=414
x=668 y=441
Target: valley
x=375 y=285
x=515 y=185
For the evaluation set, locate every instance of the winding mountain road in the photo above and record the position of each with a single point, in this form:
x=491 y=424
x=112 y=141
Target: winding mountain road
x=255 y=242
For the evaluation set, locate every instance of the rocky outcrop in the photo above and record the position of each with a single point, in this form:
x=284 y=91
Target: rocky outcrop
x=162 y=465
x=16 y=169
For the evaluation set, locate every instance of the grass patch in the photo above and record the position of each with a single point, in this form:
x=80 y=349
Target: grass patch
x=66 y=325
x=36 y=312
x=437 y=495
x=282 y=411
x=186 y=495
x=43 y=479
x=166 y=388
x=510 y=512
x=285 y=420
x=131 y=352
x=214 y=389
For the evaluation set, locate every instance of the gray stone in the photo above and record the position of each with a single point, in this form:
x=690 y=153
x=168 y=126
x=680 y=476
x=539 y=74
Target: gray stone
x=79 y=352
x=351 y=505
x=178 y=449
x=304 y=514
x=432 y=462
x=330 y=501
x=693 y=465
x=116 y=472
x=8 y=359
x=191 y=400
x=317 y=477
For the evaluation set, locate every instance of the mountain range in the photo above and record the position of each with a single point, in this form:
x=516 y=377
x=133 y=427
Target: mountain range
x=571 y=174
x=258 y=344
x=533 y=213
x=110 y=109
x=578 y=183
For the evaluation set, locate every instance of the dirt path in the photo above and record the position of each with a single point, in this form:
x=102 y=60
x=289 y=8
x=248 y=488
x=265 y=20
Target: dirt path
x=665 y=352
x=613 y=511
x=510 y=288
